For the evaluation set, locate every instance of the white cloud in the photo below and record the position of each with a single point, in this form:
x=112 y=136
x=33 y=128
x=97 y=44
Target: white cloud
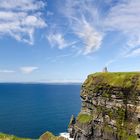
x=83 y=17
x=20 y=18
x=58 y=40
x=90 y=22
x=28 y=69
x=7 y=71
x=133 y=53
x=125 y=17
x=91 y=38
x=25 y=5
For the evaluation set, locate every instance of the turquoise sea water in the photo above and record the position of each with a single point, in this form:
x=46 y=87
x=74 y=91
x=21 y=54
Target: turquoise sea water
x=28 y=110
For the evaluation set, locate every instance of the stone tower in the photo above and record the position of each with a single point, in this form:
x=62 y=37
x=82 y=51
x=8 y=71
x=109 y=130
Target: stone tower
x=105 y=69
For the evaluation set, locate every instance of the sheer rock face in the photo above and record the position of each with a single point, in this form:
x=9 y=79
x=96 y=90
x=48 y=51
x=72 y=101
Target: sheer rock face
x=110 y=108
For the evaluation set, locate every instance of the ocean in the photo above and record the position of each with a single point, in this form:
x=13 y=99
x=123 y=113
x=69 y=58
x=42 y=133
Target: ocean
x=29 y=110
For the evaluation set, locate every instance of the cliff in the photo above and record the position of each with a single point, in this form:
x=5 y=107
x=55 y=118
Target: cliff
x=110 y=108
x=50 y=136
x=45 y=136
x=11 y=137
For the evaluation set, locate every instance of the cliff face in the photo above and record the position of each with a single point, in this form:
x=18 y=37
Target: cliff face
x=110 y=108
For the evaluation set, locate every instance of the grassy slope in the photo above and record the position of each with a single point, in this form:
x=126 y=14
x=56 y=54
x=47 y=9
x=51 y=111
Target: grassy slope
x=50 y=136
x=11 y=137
x=117 y=79
x=122 y=80
x=84 y=118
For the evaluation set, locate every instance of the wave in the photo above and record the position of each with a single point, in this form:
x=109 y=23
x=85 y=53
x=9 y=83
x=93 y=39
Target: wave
x=66 y=135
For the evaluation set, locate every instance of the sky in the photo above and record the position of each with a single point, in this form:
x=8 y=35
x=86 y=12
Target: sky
x=66 y=40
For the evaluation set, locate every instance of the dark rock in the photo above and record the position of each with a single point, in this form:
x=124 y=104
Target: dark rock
x=110 y=108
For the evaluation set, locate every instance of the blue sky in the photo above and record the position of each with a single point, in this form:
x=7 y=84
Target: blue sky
x=65 y=40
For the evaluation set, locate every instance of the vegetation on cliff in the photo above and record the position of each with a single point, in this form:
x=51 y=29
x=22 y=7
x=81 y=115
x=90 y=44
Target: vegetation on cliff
x=45 y=136
x=50 y=136
x=110 y=107
x=84 y=118
x=117 y=79
x=11 y=137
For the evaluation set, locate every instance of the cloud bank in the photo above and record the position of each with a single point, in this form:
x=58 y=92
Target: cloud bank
x=125 y=17
x=83 y=17
x=7 y=71
x=90 y=22
x=57 y=39
x=28 y=69
x=87 y=22
x=20 y=18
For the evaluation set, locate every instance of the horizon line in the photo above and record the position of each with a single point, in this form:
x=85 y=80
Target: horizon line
x=41 y=82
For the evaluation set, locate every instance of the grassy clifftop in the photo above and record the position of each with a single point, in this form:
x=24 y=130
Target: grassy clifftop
x=110 y=107
x=11 y=137
x=50 y=136
x=116 y=79
x=45 y=136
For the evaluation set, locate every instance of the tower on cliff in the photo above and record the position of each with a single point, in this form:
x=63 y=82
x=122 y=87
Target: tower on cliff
x=105 y=69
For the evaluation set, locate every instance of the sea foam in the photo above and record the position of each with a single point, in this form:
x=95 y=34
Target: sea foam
x=66 y=135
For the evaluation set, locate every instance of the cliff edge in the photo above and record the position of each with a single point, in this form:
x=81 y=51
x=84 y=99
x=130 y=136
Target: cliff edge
x=110 y=108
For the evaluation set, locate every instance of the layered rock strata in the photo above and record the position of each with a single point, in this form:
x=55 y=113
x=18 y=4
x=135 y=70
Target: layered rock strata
x=110 y=108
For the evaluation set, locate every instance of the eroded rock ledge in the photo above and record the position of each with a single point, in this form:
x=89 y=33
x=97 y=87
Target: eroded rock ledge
x=110 y=108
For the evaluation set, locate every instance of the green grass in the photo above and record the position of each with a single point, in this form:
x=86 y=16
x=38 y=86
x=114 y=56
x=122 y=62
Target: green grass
x=103 y=84
x=84 y=118
x=50 y=136
x=11 y=137
x=118 y=79
x=132 y=137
